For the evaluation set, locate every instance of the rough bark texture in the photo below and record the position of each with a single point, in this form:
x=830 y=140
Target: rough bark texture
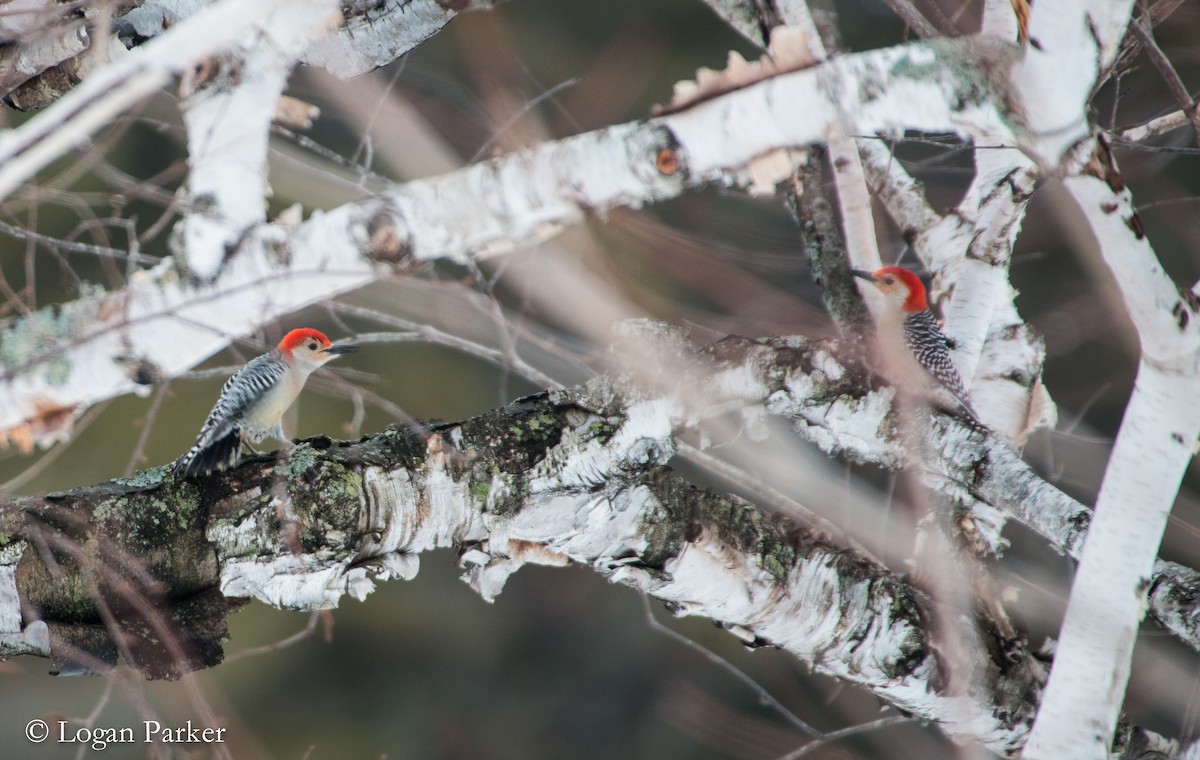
x=574 y=476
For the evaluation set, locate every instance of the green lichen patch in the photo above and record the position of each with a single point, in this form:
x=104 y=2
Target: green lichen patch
x=325 y=497
x=602 y=431
x=918 y=64
x=143 y=521
x=481 y=488
x=38 y=339
x=675 y=522
x=497 y=492
x=509 y=498
x=146 y=478
x=394 y=447
x=686 y=512
x=65 y=592
x=126 y=542
x=518 y=436
x=303 y=459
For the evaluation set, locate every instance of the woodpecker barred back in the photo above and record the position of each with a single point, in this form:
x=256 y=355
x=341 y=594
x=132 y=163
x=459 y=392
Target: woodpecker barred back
x=252 y=403
x=926 y=344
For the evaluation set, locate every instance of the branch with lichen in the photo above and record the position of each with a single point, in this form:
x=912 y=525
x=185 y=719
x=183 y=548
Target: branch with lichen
x=573 y=477
x=576 y=476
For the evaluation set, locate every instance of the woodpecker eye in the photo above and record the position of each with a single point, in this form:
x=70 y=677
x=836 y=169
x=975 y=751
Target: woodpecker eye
x=889 y=280
x=312 y=345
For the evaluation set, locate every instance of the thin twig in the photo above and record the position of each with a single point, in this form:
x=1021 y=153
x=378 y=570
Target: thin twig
x=1142 y=31
x=729 y=667
x=913 y=18
x=833 y=736
x=306 y=632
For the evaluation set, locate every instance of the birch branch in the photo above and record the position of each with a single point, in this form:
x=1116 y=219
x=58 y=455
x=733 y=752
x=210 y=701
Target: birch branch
x=1153 y=448
x=381 y=34
x=23 y=59
x=112 y=89
x=805 y=382
x=1158 y=126
x=569 y=477
x=1144 y=33
x=1070 y=44
x=228 y=109
x=60 y=361
x=373 y=35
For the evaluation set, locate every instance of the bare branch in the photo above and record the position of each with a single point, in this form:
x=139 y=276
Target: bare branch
x=279 y=268
x=1188 y=106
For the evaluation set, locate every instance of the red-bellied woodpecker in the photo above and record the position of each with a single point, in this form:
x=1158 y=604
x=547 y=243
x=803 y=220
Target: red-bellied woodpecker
x=907 y=309
x=253 y=401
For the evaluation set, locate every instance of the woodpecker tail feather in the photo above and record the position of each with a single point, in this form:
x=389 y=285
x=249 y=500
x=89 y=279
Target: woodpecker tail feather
x=203 y=458
x=966 y=412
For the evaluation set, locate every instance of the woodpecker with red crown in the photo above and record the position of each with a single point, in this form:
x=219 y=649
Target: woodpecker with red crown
x=908 y=309
x=253 y=401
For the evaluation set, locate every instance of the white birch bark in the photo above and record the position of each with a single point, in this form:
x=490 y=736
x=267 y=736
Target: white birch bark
x=1071 y=43
x=1153 y=448
x=1075 y=42
x=69 y=361
x=112 y=89
x=20 y=62
x=228 y=120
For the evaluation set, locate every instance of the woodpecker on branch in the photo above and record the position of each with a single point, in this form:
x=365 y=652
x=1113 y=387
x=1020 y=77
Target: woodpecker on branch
x=926 y=344
x=253 y=401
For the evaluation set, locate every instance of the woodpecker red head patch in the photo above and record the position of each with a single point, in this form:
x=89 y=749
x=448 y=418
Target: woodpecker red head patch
x=298 y=336
x=915 y=301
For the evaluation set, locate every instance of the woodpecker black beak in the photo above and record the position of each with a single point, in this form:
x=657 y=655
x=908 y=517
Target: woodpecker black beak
x=864 y=275
x=340 y=348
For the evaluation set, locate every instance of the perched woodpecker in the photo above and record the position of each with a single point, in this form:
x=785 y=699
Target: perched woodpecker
x=907 y=308
x=253 y=401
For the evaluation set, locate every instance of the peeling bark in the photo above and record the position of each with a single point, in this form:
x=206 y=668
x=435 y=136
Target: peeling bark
x=573 y=476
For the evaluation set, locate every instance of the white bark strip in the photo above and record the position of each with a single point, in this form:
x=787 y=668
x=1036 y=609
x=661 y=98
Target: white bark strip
x=1071 y=42
x=858 y=222
x=228 y=122
x=1152 y=450
x=1086 y=689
